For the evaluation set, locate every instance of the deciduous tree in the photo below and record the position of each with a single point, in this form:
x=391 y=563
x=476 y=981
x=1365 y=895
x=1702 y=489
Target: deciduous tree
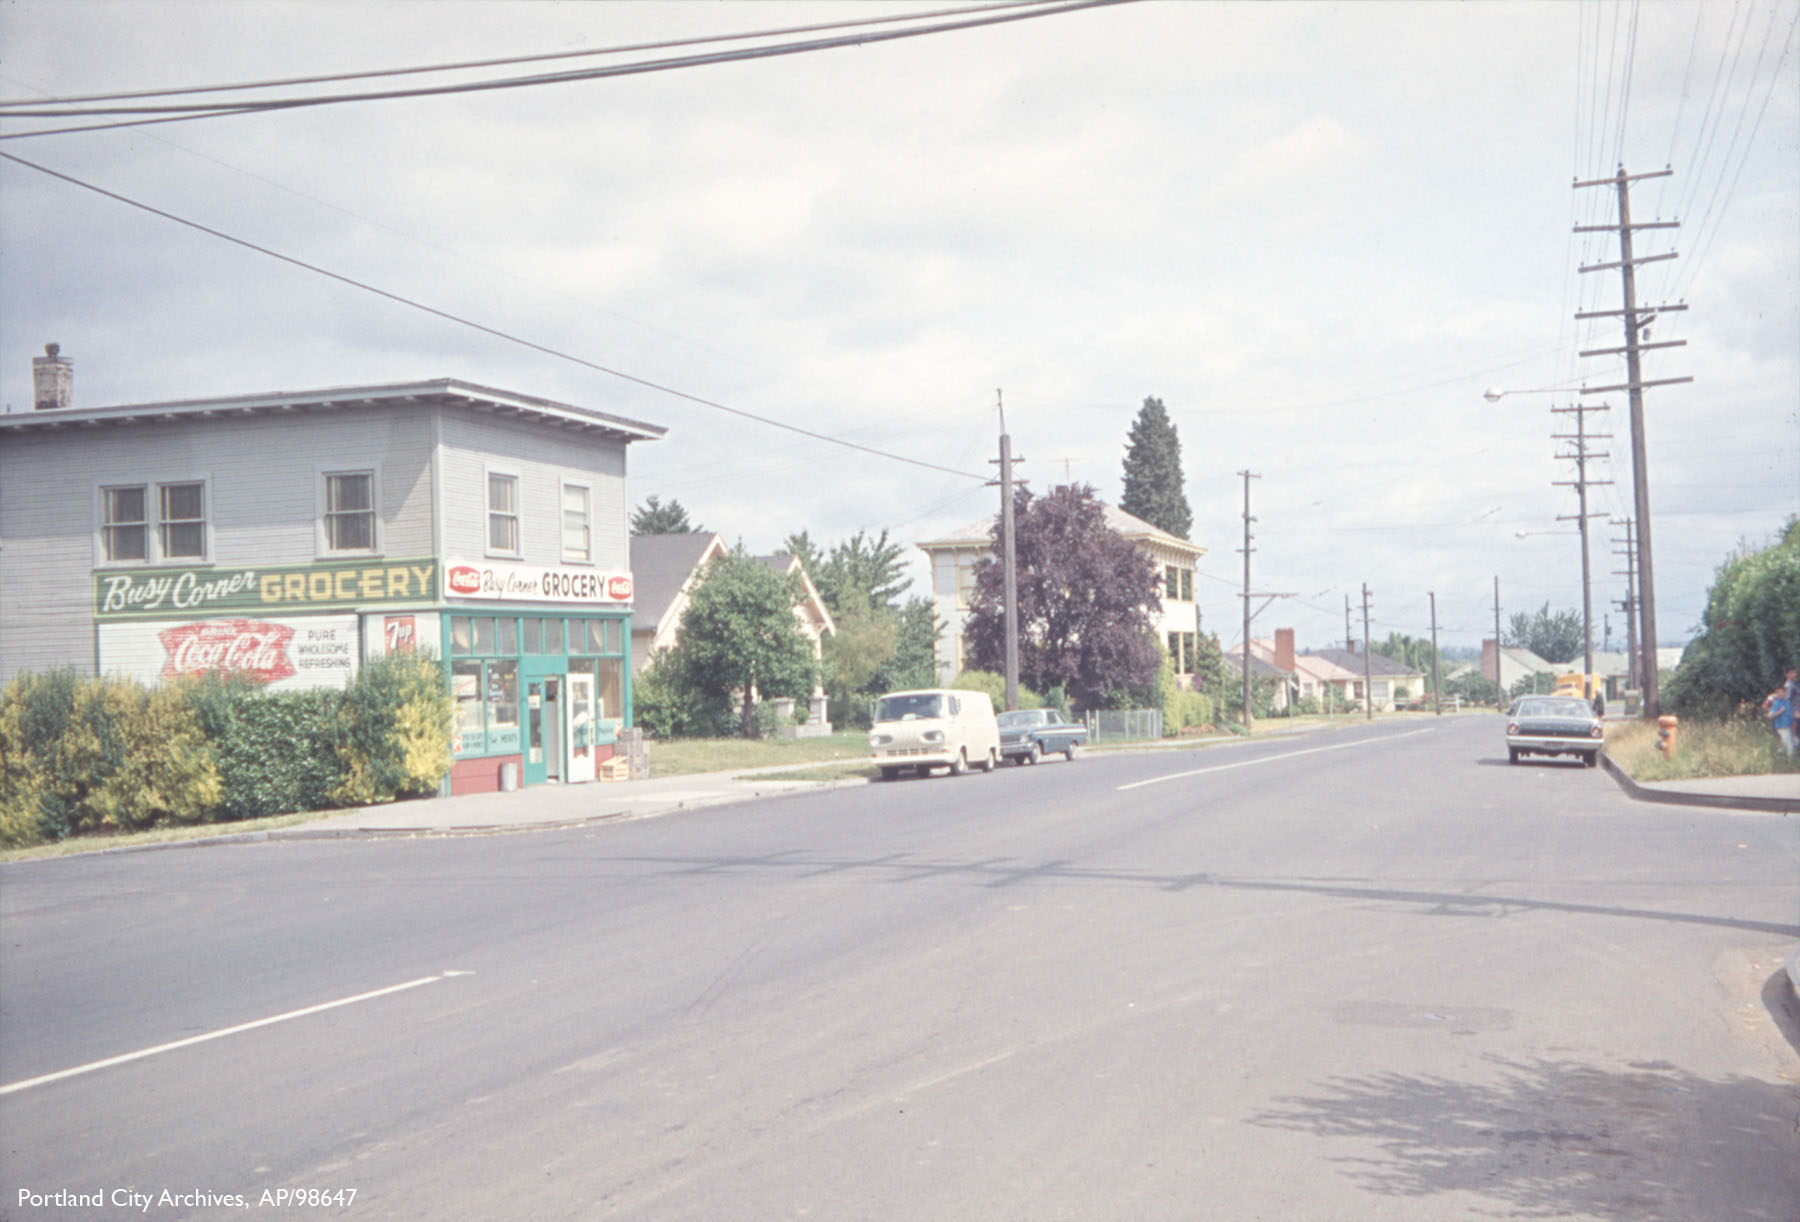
x=739 y=640
x=1552 y=636
x=1085 y=599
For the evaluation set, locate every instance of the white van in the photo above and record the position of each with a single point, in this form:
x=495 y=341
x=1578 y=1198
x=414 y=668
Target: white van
x=927 y=728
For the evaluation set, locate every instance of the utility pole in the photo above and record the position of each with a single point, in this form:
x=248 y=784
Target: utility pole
x=1637 y=320
x=1368 y=679
x=1629 y=606
x=1499 y=681
x=1437 y=689
x=1247 y=549
x=1349 y=641
x=1009 y=560
x=1580 y=484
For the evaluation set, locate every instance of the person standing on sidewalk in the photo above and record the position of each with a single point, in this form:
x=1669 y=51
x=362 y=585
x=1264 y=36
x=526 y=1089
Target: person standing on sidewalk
x=1778 y=707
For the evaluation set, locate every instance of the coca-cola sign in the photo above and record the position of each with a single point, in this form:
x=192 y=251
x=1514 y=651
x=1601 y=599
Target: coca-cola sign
x=238 y=646
x=464 y=579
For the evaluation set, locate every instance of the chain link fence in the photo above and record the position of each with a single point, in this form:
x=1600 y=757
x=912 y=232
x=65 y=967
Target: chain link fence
x=1124 y=725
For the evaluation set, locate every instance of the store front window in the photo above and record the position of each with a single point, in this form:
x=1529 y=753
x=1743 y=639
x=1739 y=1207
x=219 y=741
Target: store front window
x=575 y=667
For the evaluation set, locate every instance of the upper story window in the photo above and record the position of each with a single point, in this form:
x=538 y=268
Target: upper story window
x=181 y=521
x=150 y=523
x=124 y=524
x=1179 y=583
x=349 y=511
x=503 y=513
x=577 y=530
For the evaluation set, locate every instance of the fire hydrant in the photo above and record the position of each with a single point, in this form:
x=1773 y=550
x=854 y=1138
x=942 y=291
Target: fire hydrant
x=1665 y=734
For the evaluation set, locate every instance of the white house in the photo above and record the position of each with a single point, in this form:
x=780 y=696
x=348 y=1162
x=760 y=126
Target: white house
x=954 y=556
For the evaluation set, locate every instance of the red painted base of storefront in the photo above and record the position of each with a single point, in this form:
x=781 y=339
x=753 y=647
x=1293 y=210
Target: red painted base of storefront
x=480 y=775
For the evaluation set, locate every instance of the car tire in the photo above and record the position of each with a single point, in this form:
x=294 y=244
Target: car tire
x=890 y=773
x=1071 y=751
x=1592 y=759
x=992 y=761
x=1512 y=755
x=960 y=765
x=1037 y=752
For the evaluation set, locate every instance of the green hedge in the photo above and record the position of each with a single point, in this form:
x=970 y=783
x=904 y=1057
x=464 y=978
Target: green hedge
x=81 y=755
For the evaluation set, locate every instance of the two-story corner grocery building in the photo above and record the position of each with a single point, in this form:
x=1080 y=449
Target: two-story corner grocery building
x=292 y=536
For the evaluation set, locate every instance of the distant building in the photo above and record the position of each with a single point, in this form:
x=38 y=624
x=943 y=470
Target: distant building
x=954 y=556
x=291 y=536
x=1333 y=677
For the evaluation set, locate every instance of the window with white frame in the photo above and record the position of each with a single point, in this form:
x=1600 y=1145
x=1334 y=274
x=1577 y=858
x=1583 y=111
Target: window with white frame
x=124 y=524
x=577 y=531
x=503 y=513
x=181 y=521
x=349 y=511
x=153 y=523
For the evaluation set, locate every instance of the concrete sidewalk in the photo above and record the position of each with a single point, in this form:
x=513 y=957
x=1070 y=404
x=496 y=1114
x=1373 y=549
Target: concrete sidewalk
x=1777 y=793
x=548 y=806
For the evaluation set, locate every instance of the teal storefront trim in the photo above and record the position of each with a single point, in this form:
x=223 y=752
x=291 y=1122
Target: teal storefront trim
x=554 y=690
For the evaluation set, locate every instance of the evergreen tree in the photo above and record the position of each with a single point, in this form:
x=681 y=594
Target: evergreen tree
x=655 y=518
x=1153 y=482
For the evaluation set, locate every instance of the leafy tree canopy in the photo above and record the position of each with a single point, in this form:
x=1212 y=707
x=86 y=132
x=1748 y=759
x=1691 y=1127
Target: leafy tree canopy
x=1749 y=634
x=1086 y=595
x=1552 y=636
x=739 y=640
x=655 y=518
x=861 y=571
x=1415 y=652
x=1153 y=487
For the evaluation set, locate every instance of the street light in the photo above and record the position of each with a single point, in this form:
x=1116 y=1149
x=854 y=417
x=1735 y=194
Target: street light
x=1494 y=394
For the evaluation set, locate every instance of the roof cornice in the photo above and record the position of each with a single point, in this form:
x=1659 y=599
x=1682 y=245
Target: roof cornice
x=441 y=392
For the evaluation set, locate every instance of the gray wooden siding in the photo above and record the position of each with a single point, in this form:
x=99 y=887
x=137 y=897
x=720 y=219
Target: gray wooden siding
x=262 y=507
x=542 y=459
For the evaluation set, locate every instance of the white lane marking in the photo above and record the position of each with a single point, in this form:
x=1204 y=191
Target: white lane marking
x=1266 y=759
x=139 y=1055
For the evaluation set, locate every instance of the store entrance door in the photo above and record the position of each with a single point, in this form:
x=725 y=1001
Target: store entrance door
x=543 y=719
x=578 y=726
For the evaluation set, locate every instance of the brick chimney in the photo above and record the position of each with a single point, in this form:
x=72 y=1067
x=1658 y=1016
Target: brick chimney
x=1284 y=649
x=52 y=379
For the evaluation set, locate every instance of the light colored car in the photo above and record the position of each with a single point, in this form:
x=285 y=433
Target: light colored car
x=1027 y=735
x=1554 y=725
x=923 y=730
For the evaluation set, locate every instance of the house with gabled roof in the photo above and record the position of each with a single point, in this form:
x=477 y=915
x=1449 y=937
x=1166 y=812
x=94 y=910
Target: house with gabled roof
x=666 y=568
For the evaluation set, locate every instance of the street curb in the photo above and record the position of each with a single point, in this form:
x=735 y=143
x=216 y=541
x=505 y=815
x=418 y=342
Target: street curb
x=1779 y=806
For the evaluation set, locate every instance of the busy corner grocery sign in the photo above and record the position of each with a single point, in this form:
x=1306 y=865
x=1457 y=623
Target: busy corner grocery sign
x=505 y=582
x=182 y=593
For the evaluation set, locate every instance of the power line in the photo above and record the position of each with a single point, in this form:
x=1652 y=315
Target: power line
x=186 y=111
x=484 y=328
x=549 y=57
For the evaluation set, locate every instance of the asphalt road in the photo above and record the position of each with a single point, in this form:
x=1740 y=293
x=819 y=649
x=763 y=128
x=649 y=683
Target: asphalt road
x=1376 y=973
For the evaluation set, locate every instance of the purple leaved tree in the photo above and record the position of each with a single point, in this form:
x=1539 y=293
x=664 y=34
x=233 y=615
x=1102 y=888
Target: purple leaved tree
x=1086 y=597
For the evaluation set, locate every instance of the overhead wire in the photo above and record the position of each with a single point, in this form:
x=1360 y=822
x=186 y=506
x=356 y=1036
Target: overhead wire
x=410 y=303
x=546 y=57
x=180 y=113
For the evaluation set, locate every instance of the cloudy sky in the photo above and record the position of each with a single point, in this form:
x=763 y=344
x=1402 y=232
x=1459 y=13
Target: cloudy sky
x=1317 y=231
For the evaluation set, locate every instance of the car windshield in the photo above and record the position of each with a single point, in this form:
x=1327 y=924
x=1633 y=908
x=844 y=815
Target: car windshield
x=1554 y=707
x=907 y=707
x=1023 y=717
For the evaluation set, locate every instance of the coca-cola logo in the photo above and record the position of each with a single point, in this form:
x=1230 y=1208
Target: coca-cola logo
x=618 y=589
x=464 y=580
x=238 y=646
